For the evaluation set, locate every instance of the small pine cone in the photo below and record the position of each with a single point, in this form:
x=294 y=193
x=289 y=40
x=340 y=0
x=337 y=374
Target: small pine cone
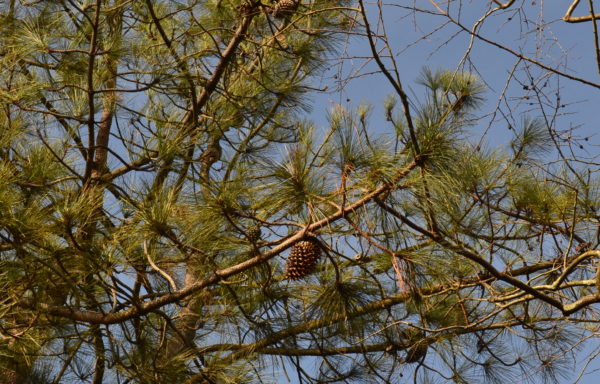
x=212 y=154
x=303 y=258
x=254 y=233
x=284 y=8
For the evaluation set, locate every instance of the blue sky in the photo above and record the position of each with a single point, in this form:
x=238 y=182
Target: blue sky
x=565 y=46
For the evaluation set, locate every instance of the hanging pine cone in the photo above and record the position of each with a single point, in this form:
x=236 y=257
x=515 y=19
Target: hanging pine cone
x=284 y=8
x=212 y=154
x=254 y=233
x=303 y=258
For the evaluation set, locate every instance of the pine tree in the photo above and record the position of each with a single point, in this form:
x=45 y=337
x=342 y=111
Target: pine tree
x=169 y=214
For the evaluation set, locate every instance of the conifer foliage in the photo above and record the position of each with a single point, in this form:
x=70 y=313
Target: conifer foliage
x=171 y=213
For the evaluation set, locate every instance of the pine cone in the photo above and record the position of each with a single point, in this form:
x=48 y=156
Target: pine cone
x=303 y=258
x=285 y=8
x=212 y=154
x=254 y=233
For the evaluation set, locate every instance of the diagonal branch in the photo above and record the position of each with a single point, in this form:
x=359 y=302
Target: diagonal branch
x=137 y=310
x=513 y=52
x=396 y=84
x=463 y=250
